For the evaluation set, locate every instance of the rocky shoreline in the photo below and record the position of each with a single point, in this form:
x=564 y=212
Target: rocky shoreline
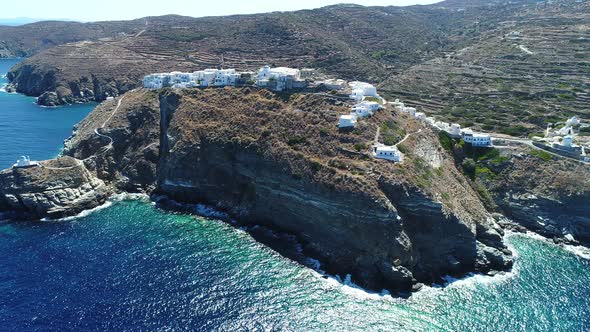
x=376 y=225
x=378 y=222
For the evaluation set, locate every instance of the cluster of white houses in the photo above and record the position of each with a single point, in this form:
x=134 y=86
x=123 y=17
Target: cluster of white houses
x=363 y=108
x=278 y=79
x=454 y=129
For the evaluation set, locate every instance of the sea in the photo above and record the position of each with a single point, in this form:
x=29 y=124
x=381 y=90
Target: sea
x=130 y=266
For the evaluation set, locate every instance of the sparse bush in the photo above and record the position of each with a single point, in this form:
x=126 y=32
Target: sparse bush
x=546 y=156
x=360 y=146
x=469 y=166
x=295 y=140
x=445 y=141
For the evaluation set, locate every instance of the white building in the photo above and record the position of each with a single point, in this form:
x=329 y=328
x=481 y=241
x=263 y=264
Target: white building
x=442 y=125
x=154 y=81
x=573 y=121
x=201 y=78
x=396 y=103
x=24 y=162
x=476 y=139
x=568 y=141
x=279 y=78
x=387 y=152
x=347 y=121
x=430 y=121
x=455 y=130
x=420 y=116
x=410 y=110
x=361 y=111
x=360 y=90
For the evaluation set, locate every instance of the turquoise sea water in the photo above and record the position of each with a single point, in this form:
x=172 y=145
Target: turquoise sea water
x=28 y=129
x=132 y=267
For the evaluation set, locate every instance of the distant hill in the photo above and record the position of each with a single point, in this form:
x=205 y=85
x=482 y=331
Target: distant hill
x=25 y=20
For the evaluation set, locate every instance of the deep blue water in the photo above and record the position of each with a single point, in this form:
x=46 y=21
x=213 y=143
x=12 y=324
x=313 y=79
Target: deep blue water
x=28 y=129
x=131 y=266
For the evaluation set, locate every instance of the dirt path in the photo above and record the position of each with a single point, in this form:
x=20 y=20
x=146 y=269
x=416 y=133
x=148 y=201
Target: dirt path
x=406 y=137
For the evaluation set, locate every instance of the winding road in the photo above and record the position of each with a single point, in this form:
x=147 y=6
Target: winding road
x=96 y=131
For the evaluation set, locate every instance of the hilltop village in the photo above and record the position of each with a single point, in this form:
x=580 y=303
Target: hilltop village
x=364 y=97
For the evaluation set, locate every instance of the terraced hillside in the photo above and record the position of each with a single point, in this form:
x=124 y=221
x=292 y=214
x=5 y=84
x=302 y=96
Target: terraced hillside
x=511 y=67
x=531 y=70
x=348 y=41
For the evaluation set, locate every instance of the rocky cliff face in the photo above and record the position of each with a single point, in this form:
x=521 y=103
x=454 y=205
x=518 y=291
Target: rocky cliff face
x=553 y=200
x=54 y=189
x=279 y=160
x=132 y=122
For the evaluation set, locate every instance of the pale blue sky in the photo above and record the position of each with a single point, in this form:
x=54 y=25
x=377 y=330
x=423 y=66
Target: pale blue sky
x=97 y=10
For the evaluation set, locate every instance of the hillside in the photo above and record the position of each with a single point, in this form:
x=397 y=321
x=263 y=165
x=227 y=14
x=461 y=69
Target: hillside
x=279 y=160
x=529 y=71
x=456 y=59
x=354 y=42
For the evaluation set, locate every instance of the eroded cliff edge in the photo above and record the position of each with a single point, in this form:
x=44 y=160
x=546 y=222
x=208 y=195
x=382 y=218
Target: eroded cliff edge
x=53 y=189
x=279 y=160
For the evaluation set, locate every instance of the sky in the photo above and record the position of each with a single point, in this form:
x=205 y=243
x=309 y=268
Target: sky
x=99 y=10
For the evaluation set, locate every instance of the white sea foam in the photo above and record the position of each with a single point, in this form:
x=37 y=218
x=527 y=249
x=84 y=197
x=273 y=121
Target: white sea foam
x=579 y=251
x=82 y=214
x=210 y=212
x=129 y=197
x=108 y=203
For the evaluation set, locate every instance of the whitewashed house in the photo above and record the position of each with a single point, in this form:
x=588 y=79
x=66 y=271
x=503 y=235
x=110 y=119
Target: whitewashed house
x=226 y=77
x=360 y=90
x=387 y=152
x=573 y=121
x=396 y=103
x=361 y=111
x=155 y=81
x=420 y=116
x=430 y=121
x=455 y=130
x=279 y=78
x=347 y=121
x=410 y=110
x=442 y=125
x=476 y=139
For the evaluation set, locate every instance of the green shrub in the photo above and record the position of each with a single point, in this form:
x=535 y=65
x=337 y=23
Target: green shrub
x=516 y=130
x=359 y=146
x=469 y=166
x=375 y=99
x=546 y=156
x=296 y=140
x=445 y=141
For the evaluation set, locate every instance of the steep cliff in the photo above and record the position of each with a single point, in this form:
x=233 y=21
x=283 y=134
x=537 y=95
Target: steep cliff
x=550 y=196
x=279 y=160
